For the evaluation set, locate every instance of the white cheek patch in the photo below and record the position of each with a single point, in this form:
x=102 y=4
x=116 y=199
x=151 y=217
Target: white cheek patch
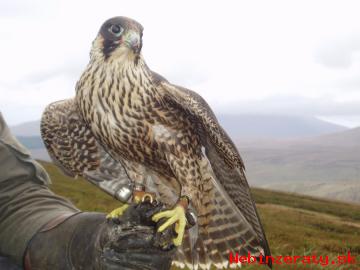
x=121 y=54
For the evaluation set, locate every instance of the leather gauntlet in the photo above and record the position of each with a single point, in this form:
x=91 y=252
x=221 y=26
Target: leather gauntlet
x=89 y=241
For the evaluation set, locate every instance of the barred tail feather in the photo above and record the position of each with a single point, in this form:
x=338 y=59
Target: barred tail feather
x=222 y=230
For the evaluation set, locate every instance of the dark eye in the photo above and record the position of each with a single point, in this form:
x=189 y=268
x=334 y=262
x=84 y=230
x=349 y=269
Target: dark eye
x=116 y=30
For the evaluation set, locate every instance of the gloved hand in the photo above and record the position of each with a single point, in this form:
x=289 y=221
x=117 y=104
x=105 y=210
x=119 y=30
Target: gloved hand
x=89 y=241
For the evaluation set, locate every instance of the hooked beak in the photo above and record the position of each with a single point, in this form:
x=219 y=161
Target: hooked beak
x=133 y=41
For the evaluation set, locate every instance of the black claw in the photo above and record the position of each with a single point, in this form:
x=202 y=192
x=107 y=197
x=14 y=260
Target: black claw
x=116 y=221
x=158 y=207
x=164 y=239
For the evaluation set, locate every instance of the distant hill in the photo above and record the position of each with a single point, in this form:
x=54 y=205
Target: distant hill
x=280 y=154
x=294 y=225
x=27 y=129
x=327 y=165
x=275 y=126
x=31 y=142
x=239 y=127
x=243 y=126
x=36 y=146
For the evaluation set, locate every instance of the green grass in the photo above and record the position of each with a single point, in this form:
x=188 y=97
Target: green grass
x=336 y=208
x=294 y=224
x=83 y=194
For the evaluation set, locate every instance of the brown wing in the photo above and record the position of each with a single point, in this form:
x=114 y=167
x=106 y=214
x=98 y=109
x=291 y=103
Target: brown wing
x=74 y=149
x=223 y=156
x=66 y=136
x=197 y=108
x=229 y=228
x=234 y=183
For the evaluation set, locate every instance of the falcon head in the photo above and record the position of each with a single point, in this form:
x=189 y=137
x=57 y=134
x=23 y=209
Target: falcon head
x=118 y=38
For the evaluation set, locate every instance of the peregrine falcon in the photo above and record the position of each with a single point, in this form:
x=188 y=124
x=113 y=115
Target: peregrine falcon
x=127 y=124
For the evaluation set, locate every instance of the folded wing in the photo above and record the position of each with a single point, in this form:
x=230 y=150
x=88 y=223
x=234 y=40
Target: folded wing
x=239 y=221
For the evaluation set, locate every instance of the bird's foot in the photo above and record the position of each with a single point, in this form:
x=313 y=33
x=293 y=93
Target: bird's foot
x=177 y=216
x=118 y=212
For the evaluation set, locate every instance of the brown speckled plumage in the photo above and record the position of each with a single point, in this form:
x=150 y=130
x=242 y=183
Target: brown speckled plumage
x=136 y=120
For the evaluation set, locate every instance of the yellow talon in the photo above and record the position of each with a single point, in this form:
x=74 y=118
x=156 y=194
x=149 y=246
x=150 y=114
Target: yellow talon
x=176 y=215
x=116 y=213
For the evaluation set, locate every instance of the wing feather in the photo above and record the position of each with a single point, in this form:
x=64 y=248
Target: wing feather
x=197 y=108
x=234 y=226
x=74 y=149
x=228 y=169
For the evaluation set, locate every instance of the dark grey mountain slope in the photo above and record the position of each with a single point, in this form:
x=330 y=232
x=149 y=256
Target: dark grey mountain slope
x=327 y=165
x=243 y=126
x=276 y=156
x=27 y=129
x=275 y=126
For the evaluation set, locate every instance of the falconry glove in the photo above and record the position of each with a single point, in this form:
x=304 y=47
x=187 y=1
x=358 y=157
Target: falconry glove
x=90 y=241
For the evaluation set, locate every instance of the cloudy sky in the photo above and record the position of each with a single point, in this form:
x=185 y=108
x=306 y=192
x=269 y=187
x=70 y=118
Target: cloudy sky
x=280 y=57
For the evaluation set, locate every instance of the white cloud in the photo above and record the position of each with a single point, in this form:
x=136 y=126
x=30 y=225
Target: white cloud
x=231 y=52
